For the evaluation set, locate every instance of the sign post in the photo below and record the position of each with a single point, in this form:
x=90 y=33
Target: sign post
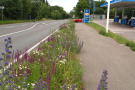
x=108 y=12
x=2 y=7
x=86 y=15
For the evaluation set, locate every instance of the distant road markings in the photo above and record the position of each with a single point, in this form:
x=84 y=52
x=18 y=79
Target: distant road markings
x=117 y=32
x=41 y=26
x=28 y=51
x=19 y=31
x=10 y=27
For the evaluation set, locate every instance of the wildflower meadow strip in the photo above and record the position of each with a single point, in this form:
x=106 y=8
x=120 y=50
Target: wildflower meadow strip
x=54 y=66
x=103 y=83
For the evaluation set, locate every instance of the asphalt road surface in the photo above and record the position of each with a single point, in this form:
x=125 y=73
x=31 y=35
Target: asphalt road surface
x=26 y=35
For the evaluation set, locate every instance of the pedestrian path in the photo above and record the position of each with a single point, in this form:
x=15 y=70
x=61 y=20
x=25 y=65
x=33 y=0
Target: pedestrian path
x=99 y=53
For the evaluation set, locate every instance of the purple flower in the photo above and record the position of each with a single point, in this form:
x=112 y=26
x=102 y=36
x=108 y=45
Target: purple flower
x=7 y=81
x=10 y=88
x=9 y=38
x=7 y=72
x=0 y=67
x=6 y=63
x=10 y=68
x=11 y=76
x=103 y=83
x=10 y=41
x=10 y=46
x=64 y=87
x=0 y=83
x=9 y=56
x=1 y=59
x=2 y=53
x=5 y=39
x=6 y=45
x=7 y=50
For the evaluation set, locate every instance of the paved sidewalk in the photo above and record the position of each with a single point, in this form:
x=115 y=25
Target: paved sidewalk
x=99 y=53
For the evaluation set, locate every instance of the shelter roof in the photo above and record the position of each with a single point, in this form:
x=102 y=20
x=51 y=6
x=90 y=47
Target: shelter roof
x=120 y=3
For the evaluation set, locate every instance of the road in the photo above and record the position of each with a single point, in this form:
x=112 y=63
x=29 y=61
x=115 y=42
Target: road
x=99 y=53
x=26 y=35
x=123 y=30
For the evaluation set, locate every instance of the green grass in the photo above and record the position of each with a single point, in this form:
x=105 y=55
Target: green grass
x=15 y=21
x=116 y=37
x=21 y=21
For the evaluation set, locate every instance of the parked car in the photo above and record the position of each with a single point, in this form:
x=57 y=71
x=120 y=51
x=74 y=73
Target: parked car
x=78 y=20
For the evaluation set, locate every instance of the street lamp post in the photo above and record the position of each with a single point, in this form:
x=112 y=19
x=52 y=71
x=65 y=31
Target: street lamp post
x=2 y=7
x=108 y=12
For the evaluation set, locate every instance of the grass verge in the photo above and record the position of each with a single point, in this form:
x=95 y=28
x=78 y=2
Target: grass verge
x=54 y=66
x=20 y=21
x=116 y=37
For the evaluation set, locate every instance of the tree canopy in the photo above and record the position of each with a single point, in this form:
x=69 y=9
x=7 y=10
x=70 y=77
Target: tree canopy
x=31 y=9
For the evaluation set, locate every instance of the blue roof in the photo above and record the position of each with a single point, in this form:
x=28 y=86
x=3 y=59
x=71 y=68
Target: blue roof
x=120 y=3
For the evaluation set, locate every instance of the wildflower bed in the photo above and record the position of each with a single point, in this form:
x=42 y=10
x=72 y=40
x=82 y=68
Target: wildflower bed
x=54 y=66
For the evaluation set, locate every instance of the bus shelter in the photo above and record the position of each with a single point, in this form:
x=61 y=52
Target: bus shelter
x=122 y=4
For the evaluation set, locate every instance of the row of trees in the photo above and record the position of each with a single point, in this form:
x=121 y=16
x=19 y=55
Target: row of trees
x=85 y=4
x=31 y=9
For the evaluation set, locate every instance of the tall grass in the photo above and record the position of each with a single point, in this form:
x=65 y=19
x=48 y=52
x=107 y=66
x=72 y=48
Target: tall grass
x=116 y=37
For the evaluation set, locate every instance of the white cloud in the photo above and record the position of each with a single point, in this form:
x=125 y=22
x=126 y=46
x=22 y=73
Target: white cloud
x=66 y=4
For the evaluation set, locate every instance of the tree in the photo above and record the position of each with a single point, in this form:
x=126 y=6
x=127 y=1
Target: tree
x=13 y=9
x=81 y=5
x=26 y=9
x=99 y=11
x=56 y=14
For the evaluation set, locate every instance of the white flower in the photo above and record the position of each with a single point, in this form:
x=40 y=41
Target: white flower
x=32 y=84
x=63 y=62
x=41 y=54
x=0 y=71
x=20 y=67
x=19 y=86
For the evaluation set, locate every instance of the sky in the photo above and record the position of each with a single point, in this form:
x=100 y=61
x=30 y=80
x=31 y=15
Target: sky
x=66 y=4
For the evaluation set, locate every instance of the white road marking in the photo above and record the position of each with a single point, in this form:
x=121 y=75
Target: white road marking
x=41 y=26
x=117 y=32
x=43 y=23
x=19 y=31
x=28 y=51
x=10 y=27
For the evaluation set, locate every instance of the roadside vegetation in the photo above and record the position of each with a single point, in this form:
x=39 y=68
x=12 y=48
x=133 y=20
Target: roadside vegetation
x=54 y=66
x=114 y=36
x=21 y=21
x=30 y=10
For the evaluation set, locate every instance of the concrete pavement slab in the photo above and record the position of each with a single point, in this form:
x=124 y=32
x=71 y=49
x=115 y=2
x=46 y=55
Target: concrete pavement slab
x=99 y=53
x=118 y=28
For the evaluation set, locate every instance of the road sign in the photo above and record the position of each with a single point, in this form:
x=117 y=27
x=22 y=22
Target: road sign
x=86 y=15
x=2 y=7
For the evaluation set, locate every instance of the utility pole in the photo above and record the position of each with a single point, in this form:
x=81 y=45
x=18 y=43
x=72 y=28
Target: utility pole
x=2 y=7
x=133 y=13
x=108 y=12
